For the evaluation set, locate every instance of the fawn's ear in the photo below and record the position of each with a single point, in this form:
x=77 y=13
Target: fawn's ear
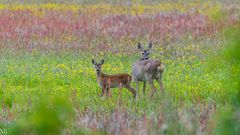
x=140 y=47
x=102 y=61
x=149 y=45
x=93 y=61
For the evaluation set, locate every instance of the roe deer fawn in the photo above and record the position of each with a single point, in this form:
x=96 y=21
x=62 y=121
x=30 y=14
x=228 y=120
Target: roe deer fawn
x=112 y=81
x=147 y=69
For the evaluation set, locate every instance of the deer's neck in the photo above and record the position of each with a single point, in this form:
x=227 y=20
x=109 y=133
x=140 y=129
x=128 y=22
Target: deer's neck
x=100 y=78
x=143 y=59
x=99 y=75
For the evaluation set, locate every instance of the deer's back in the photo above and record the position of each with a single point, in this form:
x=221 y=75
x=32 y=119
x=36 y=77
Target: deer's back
x=116 y=80
x=120 y=77
x=149 y=66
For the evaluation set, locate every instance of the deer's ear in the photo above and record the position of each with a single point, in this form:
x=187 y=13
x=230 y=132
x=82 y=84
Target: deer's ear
x=102 y=61
x=93 y=61
x=149 y=45
x=140 y=46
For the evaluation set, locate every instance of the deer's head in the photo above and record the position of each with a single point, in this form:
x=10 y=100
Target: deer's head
x=144 y=52
x=97 y=66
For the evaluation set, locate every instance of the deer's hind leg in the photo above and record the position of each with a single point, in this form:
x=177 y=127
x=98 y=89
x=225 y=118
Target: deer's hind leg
x=150 y=80
x=128 y=86
x=161 y=84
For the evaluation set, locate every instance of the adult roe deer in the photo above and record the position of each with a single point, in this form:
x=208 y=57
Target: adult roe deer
x=146 y=69
x=112 y=81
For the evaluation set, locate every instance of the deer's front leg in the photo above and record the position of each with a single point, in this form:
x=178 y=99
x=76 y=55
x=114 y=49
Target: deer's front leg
x=104 y=88
x=150 y=80
x=103 y=91
x=144 y=86
x=136 y=88
x=108 y=92
x=136 y=92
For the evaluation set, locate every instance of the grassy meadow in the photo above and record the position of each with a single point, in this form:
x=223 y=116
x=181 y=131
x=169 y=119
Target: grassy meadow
x=48 y=84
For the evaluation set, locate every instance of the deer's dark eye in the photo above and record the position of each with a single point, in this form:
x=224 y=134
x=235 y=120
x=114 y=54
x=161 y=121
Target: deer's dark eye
x=148 y=52
x=142 y=53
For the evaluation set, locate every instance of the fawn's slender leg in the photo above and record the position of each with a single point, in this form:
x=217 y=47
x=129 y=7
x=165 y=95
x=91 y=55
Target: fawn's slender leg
x=131 y=90
x=105 y=90
x=102 y=94
x=144 y=86
x=108 y=92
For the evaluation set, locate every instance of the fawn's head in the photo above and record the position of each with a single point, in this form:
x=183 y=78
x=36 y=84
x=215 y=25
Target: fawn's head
x=145 y=52
x=97 y=66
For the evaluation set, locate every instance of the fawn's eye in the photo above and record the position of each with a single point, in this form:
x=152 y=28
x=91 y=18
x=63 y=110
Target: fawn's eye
x=148 y=52
x=142 y=53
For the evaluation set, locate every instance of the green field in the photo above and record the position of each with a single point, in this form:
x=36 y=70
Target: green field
x=48 y=84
